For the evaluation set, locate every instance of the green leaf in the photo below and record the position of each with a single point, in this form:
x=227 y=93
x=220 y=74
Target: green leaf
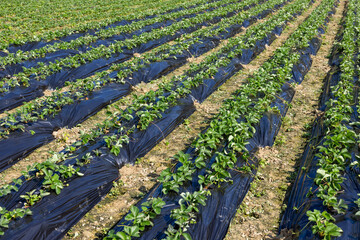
x=122 y=236
x=187 y=236
x=333 y=230
x=132 y=231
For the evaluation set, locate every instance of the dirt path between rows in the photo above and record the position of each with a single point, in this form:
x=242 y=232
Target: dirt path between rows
x=259 y=215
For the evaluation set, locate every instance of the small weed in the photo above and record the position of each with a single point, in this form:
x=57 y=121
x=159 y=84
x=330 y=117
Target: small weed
x=186 y=124
x=306 y=135
x=290 y=130
x=263 y=163
x=280 y=140
x=139 y=161
x=287 y=121
x=283 y=187
x=117 y=189
x=260 y=193
x=307 y=126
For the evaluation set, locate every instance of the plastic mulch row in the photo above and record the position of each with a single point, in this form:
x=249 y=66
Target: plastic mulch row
x=56 y=214
x=18 y=95
x=20 y=144
x=299 y=201
x=222 y=204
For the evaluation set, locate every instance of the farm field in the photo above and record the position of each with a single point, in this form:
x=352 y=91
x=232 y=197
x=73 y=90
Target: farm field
x=173 y=119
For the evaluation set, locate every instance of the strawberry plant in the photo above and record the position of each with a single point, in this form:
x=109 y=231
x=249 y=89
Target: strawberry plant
x=140 y=219
x=64 y=20
x=323 y=225
x=32 y=197
x=60 y=99
x=20 y=56
x=227 y=127
x=106 y=51
x=334 y=153
x=7 y=216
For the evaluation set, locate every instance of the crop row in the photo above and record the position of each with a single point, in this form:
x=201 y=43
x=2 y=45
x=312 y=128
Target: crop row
x=335 y=152
x=271 y=24
x=163 y=99
x=21 y=56
x=82 y=22
x=85 y=105
x=187 y=41
x=83 y=87
x=156 y=37
x=224 y=142
x=329 y=201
